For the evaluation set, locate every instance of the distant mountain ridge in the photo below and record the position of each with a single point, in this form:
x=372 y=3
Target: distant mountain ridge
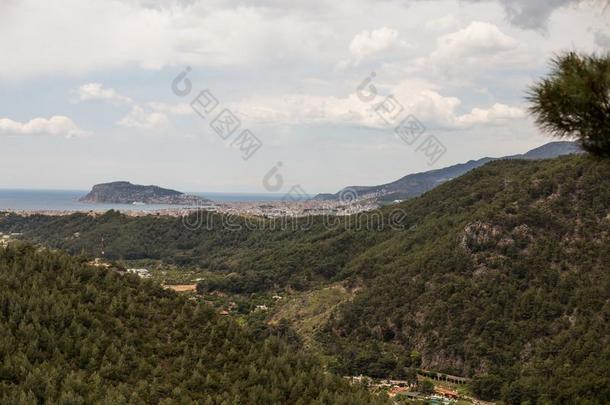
x=124 y=192
x=413 y=185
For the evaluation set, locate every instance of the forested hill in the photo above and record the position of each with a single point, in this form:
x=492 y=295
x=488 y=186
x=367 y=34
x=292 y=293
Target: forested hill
x=502 y=275
x=74 y=334
x=506 y=279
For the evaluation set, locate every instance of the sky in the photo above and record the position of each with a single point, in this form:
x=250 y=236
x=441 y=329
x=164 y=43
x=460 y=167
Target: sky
x=268 y=95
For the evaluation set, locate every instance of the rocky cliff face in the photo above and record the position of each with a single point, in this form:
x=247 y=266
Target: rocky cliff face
x=123 y=192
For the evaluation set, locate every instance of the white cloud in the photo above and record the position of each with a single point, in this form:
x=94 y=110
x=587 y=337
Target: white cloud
x=96 y=92
x=372 y=43
x=152 y=116
x=142 y=119
x=477 y=40
x=301 y=109
x=416 y=97
x=496 y=114
x=75 y=36
x=56 y=125
x=444 y=23
x=478 y=46
x=261 y=50
x=66 y=37
x=437 y=110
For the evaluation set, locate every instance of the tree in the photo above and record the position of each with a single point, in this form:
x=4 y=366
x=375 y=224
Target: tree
x=574 y=100
x=426 y=386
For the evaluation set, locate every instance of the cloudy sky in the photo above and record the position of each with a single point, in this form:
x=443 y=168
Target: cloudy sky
x=87 y=94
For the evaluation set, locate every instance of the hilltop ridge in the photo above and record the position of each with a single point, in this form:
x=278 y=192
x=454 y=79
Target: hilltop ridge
x=413 y=185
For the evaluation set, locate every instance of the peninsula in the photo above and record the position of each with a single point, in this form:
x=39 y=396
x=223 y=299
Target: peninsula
x=124 y=192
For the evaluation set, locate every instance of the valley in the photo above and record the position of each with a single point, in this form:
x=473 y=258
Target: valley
x=456 y=290
x=346 y=202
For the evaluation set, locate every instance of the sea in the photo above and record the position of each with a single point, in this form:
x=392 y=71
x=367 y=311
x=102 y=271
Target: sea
x=67 y=200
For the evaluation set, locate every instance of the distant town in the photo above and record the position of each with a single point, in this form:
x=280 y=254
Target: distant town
x=264 y=209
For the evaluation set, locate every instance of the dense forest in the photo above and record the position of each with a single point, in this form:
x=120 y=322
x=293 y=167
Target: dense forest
x=508 y=282
x=502 y=275
x=261 y=255
x=75 y=334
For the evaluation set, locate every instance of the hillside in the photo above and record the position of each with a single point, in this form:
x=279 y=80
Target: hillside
x=501 y=275
x=123 y=192
x=75 y=334
x=506 y=279
x=413 y=185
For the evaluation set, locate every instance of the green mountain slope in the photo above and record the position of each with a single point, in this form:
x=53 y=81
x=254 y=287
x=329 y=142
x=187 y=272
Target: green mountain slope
x=74 y=334
x=506 y=278
x=502 y=275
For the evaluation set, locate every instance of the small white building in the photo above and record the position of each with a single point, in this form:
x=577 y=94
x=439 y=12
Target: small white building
x=142 y=273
